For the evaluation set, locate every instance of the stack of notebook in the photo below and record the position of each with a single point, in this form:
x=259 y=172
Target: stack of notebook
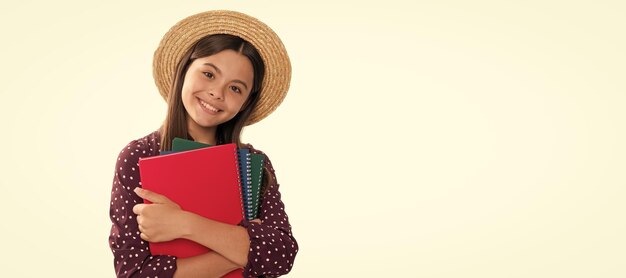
x=250 y=173
x=221 y=182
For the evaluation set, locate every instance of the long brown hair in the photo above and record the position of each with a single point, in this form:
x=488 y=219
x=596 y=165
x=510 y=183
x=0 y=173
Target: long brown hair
x=175 y=124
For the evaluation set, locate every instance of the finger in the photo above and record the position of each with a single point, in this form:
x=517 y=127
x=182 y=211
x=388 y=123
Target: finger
x=258 y=221
x=138 y=208
x=143 y=236
x=139 y=220
x=151 y=196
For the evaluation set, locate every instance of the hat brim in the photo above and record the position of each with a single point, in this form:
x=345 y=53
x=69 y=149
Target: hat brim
x=188 y=31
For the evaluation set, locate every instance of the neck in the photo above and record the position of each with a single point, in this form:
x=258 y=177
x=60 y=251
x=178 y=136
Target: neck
x=201 y=134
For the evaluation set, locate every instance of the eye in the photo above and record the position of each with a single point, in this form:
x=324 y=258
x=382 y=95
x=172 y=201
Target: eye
x=235 y=89
x=208 y=74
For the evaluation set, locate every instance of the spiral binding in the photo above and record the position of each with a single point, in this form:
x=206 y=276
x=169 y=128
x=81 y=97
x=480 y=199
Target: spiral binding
x=248 y=197
x=239 y=177
x=246 y=182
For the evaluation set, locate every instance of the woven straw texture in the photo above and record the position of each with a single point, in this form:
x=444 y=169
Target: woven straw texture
x=188 y=31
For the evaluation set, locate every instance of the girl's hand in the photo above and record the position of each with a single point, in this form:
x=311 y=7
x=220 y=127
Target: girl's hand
x=160 y=221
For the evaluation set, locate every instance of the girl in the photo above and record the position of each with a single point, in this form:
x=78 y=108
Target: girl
x=218 y=71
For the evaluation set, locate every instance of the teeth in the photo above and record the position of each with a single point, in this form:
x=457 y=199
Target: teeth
x=208 y=106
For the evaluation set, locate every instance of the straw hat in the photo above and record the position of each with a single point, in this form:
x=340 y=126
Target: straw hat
x=188 y=31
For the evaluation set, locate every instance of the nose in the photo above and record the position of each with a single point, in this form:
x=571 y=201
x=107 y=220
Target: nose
x=216 y=93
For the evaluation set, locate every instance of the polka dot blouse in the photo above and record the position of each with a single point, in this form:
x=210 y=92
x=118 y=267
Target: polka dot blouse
x=272 y=246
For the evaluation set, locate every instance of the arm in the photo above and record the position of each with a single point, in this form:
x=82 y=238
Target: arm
x=132 y=256
x=230 y=241
x=209 y=264
x=272 y=246
x=163 y=220
x=264 y=247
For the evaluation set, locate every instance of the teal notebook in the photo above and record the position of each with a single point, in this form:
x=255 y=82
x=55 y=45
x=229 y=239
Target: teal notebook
x=257 y=178
x=181 y=145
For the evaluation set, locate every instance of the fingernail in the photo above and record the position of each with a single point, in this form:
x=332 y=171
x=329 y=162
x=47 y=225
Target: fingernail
x=138 y=189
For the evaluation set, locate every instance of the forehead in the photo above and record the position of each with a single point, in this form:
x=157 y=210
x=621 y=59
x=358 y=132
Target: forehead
x=226 y=58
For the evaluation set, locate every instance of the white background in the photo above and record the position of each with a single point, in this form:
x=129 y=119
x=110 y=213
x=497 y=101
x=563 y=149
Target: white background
x=418 y=139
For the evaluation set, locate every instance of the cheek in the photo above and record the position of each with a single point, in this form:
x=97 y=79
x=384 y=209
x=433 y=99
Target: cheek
x=186 y=98
x=187 y=91
x=188 y=85
x=240 y=105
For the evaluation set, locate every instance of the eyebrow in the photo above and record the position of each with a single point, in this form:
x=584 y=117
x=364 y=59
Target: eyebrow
x=220 y=72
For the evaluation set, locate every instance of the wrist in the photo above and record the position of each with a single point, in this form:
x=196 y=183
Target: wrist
x=187 y=220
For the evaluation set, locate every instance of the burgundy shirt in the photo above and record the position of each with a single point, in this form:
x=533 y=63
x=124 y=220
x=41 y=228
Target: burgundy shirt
x=272 y=246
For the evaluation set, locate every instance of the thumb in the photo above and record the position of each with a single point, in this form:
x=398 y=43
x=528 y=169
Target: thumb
x=151 y=196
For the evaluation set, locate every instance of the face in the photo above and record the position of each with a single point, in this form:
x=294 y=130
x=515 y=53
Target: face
x=215 y=89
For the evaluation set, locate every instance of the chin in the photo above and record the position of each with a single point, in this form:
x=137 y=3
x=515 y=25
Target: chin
x=207 y=125
x=203 y=124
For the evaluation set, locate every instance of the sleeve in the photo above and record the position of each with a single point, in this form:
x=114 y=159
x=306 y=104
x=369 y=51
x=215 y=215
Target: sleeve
x=272 y=245
x=131 y=254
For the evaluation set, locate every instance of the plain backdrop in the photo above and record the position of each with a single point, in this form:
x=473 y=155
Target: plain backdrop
x=418 y=138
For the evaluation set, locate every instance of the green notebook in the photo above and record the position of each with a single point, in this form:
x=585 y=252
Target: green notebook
x=251 y=183
x=180 y=145
x=256 y=161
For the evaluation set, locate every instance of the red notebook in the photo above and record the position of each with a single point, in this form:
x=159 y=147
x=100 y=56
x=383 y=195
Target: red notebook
x=203 y=181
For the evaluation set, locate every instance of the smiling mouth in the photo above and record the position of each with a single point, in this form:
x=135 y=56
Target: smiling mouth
x=208 y=106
